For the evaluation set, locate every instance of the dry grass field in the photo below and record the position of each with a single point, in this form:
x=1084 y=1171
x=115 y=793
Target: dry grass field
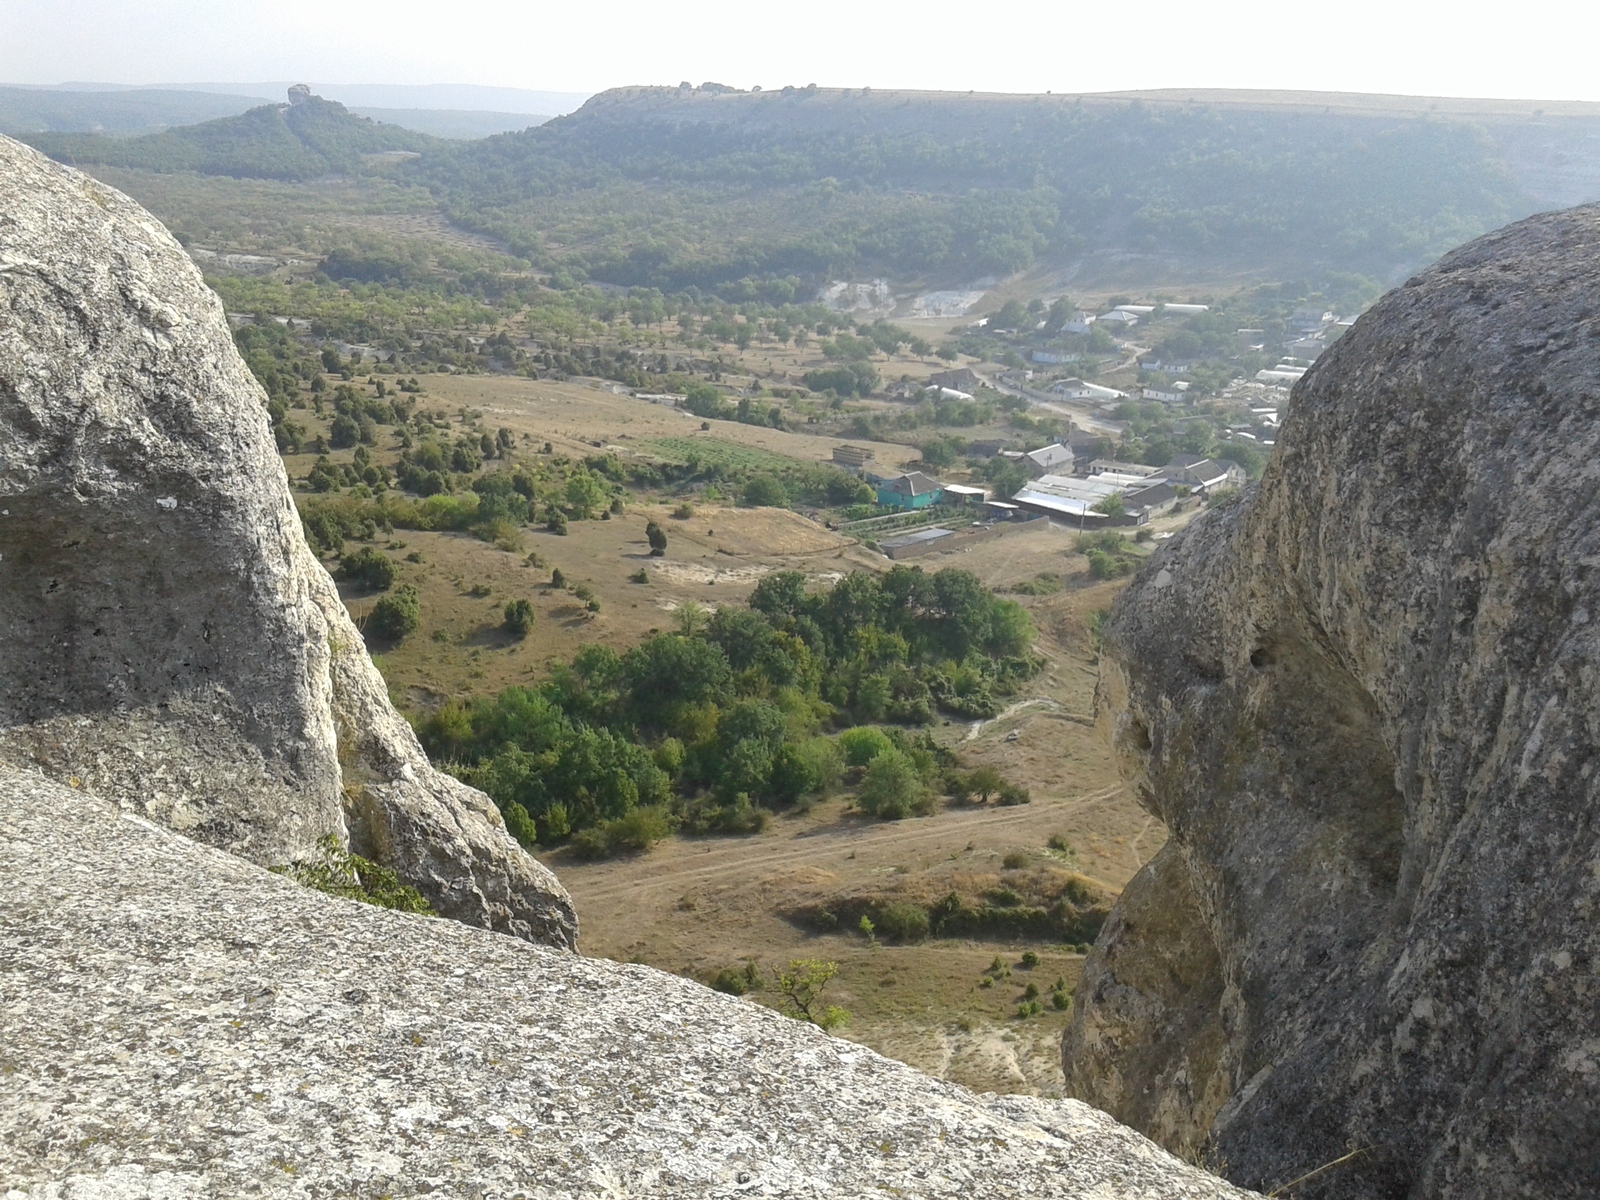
x=695 y=906
x=699 y=905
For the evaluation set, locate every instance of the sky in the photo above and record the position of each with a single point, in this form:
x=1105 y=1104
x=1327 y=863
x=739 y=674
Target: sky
x=1460 y=48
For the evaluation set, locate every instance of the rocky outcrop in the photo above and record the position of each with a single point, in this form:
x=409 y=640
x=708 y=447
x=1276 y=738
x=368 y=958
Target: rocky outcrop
x=176 y=1022
x=167 y=639
x=1366 y=702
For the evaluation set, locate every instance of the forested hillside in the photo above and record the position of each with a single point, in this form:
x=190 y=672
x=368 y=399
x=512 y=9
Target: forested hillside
x=676 y=187
x=762 y=195
x=301 y=141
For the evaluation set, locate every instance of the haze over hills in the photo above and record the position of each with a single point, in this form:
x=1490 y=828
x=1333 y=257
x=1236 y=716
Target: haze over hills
x=444 y=110
x=768 y=193
x=716 y=186
x=307 y=139
x=41 y=110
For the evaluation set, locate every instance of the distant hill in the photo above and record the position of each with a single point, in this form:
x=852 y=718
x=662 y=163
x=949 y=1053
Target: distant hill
x=453 y=122
x=40 y=110
x=304 y=140
x=770 y=193
x=706 y=186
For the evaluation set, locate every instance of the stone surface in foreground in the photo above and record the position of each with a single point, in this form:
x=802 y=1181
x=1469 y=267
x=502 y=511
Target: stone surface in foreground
x=175 y=1021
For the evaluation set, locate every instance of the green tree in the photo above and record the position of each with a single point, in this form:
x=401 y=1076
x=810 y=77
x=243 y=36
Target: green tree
x=691 y=616
x=1110 y=505
x=344 y=432
x=519 y=617
x=765 y=491
x=657 y=537
x=394 y=615
x=369 y=568
x=892 y=788
x=585 y=493
x=863 y=744
x=985 y=783
x=802 y=987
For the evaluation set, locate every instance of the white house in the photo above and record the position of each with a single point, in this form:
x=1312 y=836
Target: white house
x=1079 y=322
x=1121 y=318
x=1077 y=389
x=1175 y=393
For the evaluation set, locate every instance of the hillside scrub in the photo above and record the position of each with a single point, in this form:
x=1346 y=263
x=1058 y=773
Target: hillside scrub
x=729 y=719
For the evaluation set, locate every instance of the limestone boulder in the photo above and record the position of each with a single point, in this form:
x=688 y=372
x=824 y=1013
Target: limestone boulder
x=1366 y=702
x=167 y=639
x=177 y=1022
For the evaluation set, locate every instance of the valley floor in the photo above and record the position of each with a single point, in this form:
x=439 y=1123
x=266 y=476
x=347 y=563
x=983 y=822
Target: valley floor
x=696 y=906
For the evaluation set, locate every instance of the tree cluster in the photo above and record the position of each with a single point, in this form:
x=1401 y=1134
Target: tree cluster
x=729 y=718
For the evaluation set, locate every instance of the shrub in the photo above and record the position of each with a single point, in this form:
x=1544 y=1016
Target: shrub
x=368 y=568
x=1058 y=841
x=731 y=981
x=805 y=768
x=344 y=432
x=639 y=576
x=737 y=815
x=556 y=522
x=1031 y=992
x=657 y=537
x=1012 y=794
x=893 y=787
x=1060 y=1001
x=984 y=783
x=863 y=744
x=683 y=512
x=867 y=928
x=903 y=922
x=765 y=491
x=557 y=579
x=340 y=873
x=632 y=833
x=519 y=617
x=1014 y=861
x=394 y=615
x=520 y=825
x=1030 y=959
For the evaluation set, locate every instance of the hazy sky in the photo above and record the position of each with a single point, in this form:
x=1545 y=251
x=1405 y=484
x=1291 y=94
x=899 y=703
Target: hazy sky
x=1460 y=48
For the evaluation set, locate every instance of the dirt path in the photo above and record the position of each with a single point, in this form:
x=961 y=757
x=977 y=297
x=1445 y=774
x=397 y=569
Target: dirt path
x=730 y=861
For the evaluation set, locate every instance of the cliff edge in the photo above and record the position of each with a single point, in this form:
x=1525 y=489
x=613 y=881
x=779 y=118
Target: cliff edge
x=1366 y=702
x=167 y=639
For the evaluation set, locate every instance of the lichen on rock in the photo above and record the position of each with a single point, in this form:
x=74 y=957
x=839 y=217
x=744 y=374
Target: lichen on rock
x=177 y=1022
x=1366 y=703
x=167 y=638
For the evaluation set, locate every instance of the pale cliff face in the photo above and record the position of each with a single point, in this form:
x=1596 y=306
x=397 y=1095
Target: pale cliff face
x=167 y=639
x=1365 y=702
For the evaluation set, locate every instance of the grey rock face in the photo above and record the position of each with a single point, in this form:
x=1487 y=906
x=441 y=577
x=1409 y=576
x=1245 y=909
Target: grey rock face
x=167 y=639
x=1366 y=701
x=177 y=1022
